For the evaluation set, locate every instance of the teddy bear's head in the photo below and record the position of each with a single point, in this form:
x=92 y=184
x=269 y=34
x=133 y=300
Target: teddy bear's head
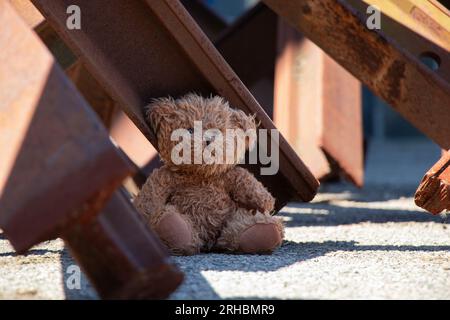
x=200 y=135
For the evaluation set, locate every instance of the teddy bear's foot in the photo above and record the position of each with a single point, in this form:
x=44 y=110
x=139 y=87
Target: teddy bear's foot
x=260 y=238
x=246 y=232
x=176 y=233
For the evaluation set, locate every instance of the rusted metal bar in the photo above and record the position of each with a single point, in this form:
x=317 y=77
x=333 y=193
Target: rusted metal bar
x=249 y=46
x=97 y=98
x=419 y=26
x=317 y=104
x=433 y=193
x=59 y=169
x=324 y=120
x=212 y=24
x=48 y=152
x=36 y=21
x=144 y=49
x=100 y=101
x=390 y=70
x=28 y=12
x=122 y=258
x=121 y=128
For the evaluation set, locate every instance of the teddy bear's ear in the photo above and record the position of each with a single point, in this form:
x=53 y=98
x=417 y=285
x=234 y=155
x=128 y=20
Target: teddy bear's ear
x=240 y=120
x=159 y=110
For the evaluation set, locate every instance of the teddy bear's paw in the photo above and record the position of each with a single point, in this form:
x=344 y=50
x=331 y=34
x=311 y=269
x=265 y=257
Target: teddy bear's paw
x=260 y=238
x=176 y=233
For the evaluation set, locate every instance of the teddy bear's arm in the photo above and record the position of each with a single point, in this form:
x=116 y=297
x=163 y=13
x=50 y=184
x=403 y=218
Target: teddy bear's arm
x=155 y=193
x=249 y=192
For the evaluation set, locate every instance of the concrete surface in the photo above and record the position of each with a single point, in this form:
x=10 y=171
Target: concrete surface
x=347 y=244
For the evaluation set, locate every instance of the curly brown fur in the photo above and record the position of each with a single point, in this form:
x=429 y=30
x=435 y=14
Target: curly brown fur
x=218 y=201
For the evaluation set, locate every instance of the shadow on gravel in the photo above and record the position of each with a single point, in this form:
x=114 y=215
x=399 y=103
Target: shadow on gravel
x=368 y=193
x=289 y=253
x=196 y=286
x=85 y=291
x=32 y=252
x=333 y=215
x=308 y=250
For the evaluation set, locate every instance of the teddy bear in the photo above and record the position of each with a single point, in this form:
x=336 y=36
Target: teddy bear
x=202 y=206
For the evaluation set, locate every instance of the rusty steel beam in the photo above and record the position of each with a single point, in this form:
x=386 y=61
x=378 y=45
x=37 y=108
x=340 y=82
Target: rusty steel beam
x=48 y=152
x=376 y=59
x=94 y=94
x=249 y=46
x=212 y=24
x=59 y=169
x=324 y=120
x=317 y=104
x=127 y=260
x=28 y=12
x=121 y=128
x=130 y=139
x=36 y=21
x=421 y=27
x=433 y=193
x=144 y=49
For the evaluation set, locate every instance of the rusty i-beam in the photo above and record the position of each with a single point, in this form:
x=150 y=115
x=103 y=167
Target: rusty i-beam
x=211 y=23
x=120 y=127
x=144 y=49
x=316 y=103
x=388 y=61
x=433 y=193
x=59 y=172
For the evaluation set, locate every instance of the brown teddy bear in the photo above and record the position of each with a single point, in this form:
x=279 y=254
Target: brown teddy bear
x=200 y=207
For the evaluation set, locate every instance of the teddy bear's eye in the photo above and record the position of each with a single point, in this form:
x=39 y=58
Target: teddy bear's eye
x=190 y=130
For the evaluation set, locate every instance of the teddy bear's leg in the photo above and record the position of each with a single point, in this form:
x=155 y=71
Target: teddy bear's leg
x=176 y=232
x=248 y=233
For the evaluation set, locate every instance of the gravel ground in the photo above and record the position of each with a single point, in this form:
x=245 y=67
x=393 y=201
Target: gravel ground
x=347 y=244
